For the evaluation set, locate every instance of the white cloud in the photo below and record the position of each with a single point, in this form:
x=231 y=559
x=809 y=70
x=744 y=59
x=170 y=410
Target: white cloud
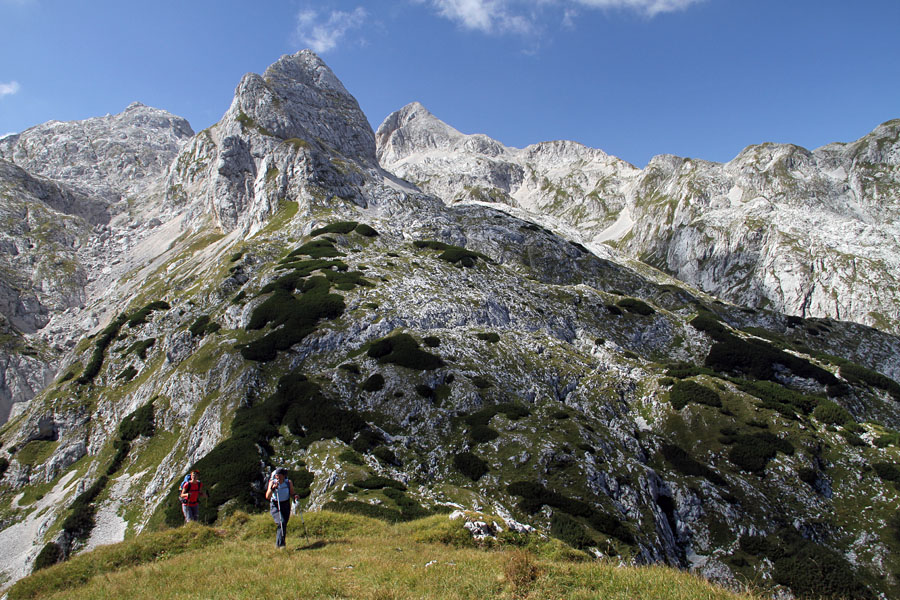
x=651 y=8
x=487 y=16
x=322 y=32
x=526 y=16
x=8 y=89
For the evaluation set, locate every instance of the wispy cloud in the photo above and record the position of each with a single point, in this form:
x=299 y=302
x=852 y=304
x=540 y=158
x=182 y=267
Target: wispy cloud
x=650 y=8
x=526 y=16
x=323 y=31
x=488 y=16
x=8 y=89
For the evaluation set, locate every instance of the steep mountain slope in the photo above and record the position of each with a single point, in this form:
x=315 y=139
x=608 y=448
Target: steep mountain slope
x=806 y=233
x=70 y=211
x=405 y=357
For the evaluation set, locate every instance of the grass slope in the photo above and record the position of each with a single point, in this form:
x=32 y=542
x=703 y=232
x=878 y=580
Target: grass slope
x=348 y=556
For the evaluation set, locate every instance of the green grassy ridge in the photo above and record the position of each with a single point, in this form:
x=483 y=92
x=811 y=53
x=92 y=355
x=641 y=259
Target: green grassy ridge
x=332 y=555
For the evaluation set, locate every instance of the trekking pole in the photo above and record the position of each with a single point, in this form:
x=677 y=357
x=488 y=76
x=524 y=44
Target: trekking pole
x=299 y=510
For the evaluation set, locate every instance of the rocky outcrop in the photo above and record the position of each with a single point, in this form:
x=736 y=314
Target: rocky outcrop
x=809 y=233
x=108 y=158
x=290 y=134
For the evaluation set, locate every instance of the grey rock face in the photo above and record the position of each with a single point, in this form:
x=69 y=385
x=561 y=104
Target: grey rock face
x=807 y=233
x=107 y=157
x=289 y=134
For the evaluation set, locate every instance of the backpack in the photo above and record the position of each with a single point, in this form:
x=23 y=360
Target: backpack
x=192 y=490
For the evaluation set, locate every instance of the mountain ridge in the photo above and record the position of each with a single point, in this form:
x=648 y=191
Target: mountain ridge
x=661 y=214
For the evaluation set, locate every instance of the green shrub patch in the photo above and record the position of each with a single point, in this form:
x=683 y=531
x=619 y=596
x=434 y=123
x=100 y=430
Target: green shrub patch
x=106 y=337
x=491 y=337
x=141 y=347
x=292 y=318
x=887 y=471
x=202 y=326
x=128 y=374
x=482 y=382
x=753 y=357
x=317 y=249
x=139 y=423
x=431 y=341
x=470 y=465
x=350 y=368
x=140 y=317
x=776 y=397
x=860 y=375
x=810 y=570
x=4 y=465
x=403 y=350
x=367 y=439
x=684 y=392
x=752 y=452
x=386 y=455
x=367 y=510
x=377 y=482
x=373 y=383
x=80 y=521
x=571 y=531
x=684 y=463
x=452 y=254
x=832 y=413
x=231 y=471
x=49 y=555
x=342 y=227
x=366 y=230
x=638 y=307
x=480 y=432
x=534 y=496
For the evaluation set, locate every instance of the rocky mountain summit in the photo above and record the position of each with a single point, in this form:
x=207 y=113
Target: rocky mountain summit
x=283 y=300
x=808 y=233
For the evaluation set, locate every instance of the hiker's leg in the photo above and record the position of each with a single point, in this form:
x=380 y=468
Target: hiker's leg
x=285 y=510
x=275 y=511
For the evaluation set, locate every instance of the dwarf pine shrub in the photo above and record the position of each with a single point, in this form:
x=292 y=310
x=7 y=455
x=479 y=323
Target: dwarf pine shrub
x=684 y=392
x=49 y=555
x=831 y=413
x=103 y=341
x=403 y=350
x=377 y=482
x=571 y=531
x=374 y=383
x=752 y=452
x=635 y=306
x=858 y=374
x=470 y=465
x=128 y=374
x=685 y=464
x=140 y=317
x=139 y=423
x=490 y=337
x=141 y=347
x=366 y=230
x=339 y=227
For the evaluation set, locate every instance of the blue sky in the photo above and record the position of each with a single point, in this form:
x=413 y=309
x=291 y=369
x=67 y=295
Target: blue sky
x=698 y=78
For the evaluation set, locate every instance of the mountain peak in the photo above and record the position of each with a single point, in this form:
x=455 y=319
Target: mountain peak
x=411 y=129
x=299 y=97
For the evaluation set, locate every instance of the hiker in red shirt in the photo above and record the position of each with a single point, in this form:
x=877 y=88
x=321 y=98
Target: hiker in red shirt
x=191 y=490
